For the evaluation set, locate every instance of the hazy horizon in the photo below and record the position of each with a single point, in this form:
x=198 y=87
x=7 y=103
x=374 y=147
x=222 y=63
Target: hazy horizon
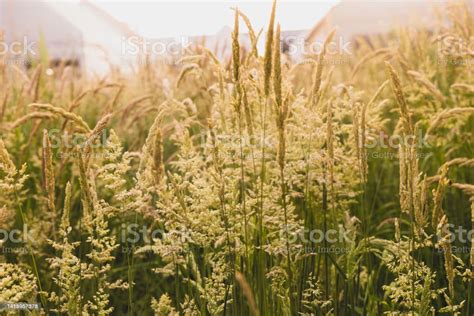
x=158 y=19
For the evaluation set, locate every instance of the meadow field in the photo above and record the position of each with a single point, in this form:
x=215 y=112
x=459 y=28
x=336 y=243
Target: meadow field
x=258 y=185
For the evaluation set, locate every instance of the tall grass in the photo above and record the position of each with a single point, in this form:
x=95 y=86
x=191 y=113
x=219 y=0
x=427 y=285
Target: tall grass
x=236 y=168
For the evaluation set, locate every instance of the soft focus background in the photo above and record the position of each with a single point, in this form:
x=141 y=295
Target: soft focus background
x=97 y=35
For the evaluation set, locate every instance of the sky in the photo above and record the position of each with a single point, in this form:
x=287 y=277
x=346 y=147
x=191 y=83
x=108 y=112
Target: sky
x=158 y=18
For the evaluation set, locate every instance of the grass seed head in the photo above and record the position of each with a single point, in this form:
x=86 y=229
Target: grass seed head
x=268 y=51
x=48 y=171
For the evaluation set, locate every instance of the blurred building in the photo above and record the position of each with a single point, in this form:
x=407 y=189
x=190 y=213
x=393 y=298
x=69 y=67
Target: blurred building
x=71 y=33
x=365 y=18
x=29 y=25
